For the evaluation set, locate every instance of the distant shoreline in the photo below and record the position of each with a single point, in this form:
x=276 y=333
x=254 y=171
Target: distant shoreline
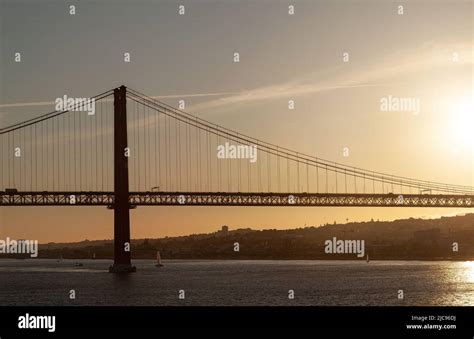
x=248 y=259
x=443 y=239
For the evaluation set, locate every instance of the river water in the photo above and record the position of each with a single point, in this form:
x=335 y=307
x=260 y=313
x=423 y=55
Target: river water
x=238 y=283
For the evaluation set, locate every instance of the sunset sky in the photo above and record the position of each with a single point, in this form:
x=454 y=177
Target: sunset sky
x=425 y=53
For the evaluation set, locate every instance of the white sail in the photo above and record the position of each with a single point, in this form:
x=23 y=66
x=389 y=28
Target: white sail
x=158 y=259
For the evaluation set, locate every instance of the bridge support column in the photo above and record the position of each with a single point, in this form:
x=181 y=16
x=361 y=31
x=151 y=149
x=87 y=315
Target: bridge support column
x=122 y=246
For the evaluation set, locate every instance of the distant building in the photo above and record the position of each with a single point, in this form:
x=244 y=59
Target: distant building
x=223 y=231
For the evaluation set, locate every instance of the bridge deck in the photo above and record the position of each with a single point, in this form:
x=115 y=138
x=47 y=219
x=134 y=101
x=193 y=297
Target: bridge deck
x=235 y=199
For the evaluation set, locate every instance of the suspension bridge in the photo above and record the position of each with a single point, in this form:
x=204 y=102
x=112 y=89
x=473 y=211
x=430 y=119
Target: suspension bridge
x=135 y=150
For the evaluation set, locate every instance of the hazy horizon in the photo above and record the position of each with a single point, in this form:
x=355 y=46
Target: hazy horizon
x=219 y=228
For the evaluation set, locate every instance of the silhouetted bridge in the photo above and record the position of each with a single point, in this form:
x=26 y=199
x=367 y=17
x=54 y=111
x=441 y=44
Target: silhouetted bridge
x=74 y=158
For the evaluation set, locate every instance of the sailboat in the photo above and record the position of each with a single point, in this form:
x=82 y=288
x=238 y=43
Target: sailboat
x=367 y=259
x=158 y=259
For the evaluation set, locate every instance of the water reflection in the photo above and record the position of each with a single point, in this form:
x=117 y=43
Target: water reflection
x=240 y=283
x=468 y=271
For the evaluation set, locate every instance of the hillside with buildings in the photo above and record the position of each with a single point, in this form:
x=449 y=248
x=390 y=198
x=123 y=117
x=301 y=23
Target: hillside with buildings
x=407 y=239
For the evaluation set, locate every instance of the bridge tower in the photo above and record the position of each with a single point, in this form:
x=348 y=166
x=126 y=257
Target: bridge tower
x=122 y=246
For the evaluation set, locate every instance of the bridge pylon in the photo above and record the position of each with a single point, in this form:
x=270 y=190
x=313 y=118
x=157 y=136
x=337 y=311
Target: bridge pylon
x=121 y=206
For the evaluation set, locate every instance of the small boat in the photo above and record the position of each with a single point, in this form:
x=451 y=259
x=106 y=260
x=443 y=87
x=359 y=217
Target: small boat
x=367 y=259
x=78 y=264
x=158 y=259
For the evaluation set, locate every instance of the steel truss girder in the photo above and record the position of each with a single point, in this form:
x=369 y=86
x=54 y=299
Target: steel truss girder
x=235 y=199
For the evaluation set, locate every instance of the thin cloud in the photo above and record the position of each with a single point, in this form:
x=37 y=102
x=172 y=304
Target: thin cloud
x=276 y=92
x=192 y=95
x=49 y=103
x=425 y=58
x=26 y=104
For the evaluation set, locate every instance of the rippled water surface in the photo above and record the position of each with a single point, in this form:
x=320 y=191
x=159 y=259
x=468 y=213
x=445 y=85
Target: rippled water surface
x=219 y=282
